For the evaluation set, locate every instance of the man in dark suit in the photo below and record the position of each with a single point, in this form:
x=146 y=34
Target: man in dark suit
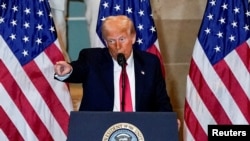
x=98 y=71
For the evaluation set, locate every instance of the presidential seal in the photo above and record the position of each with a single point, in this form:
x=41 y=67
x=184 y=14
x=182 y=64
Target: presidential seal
x=123 y=132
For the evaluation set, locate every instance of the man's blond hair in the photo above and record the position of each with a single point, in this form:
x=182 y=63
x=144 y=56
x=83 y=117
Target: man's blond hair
x=124 y=22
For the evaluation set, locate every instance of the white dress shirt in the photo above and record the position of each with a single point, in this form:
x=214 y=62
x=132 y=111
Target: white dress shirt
x=131 y=77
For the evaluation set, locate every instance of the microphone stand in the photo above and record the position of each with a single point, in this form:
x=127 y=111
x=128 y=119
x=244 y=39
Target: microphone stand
x=122 y=62
x=123 y=86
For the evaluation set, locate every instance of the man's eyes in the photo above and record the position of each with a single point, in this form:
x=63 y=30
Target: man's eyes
x=111 y=41
x=114 y=41
x=122 y=39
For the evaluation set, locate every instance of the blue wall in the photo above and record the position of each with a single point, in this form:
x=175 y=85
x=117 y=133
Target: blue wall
x=78 y=37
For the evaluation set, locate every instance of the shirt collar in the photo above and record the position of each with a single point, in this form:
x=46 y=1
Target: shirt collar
x=129 y=61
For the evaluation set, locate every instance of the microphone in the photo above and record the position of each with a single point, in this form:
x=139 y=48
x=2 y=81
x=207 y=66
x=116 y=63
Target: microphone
x=122 y=62
x=121 y=59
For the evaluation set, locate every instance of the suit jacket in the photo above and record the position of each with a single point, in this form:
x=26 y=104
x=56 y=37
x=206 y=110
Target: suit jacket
x=94 y=69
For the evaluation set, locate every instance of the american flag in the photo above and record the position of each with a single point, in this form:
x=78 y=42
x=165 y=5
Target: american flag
x=139 y=11
x=33 y=105
x=218 y=83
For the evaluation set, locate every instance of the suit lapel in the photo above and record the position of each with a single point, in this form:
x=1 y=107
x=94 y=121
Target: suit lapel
x=107 y=73
x=139 y=78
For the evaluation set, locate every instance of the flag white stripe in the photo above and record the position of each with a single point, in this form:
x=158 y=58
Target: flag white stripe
x=56 y=85
x=226 y=89
x=31 y=93
x=216 y=85
x=3 y=137
x=198 y=105
x=239 y=70
x=57 y=45
x=156 y=43
x=16 y=116
x=248 y=42
x=187 y=136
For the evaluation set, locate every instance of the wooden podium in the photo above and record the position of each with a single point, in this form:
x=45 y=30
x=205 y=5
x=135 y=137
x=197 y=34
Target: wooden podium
x=121 y=126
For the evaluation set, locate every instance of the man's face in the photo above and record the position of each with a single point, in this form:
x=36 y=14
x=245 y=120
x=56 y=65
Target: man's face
x=119 y=41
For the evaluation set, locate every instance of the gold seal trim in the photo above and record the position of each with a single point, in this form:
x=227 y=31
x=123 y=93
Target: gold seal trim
x=121 y=126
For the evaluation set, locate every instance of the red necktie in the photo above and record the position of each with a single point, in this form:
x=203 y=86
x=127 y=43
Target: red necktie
x=127 y=94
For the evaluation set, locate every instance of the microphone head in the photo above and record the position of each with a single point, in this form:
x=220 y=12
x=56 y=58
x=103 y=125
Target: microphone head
x=121 y=59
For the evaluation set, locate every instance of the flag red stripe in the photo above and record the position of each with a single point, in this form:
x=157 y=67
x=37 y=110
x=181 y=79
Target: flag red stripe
x=244 y=52
x=51 y=100
x=222 y=57
x=234 y=88
x=20 y=100
x=213 y=105
x=193 y=124
x=54 y=53
x=8 y=127
x=153 y=49
x=37 y=104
